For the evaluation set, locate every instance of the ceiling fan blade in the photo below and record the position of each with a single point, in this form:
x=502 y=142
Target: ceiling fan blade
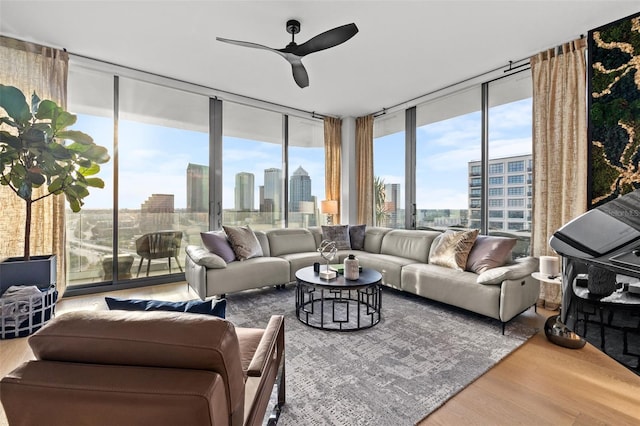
x=247 y=44
x=326 y=40
x=300 y=74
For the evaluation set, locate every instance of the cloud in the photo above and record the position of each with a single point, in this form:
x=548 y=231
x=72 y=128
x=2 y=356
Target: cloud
x=441 y=198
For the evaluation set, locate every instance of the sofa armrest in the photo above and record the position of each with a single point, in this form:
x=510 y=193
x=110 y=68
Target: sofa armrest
x=270 y=343
x=203 y=257
x=521 y=268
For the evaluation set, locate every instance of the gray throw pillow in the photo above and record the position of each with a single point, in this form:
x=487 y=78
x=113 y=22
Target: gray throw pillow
x=217 y=243
x=243 y=241
x=339 y=234
x=356 y=235
x=204 y=257
x=489 y=252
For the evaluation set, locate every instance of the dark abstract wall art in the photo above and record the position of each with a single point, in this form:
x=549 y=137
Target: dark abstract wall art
x=614 y=109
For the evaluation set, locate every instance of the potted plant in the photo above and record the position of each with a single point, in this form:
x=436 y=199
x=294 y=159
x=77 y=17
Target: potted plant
x=38 y=149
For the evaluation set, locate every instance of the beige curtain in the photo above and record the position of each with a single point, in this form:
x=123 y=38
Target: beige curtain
x=30 y=68
x=364 y=168
x=332 y=160
x=560 y=147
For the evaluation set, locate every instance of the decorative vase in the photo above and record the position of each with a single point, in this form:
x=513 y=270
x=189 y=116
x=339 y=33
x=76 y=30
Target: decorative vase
x=601 y=282
x=351 y=268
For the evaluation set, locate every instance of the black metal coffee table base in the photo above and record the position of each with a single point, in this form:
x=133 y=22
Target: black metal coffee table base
x=339 y=304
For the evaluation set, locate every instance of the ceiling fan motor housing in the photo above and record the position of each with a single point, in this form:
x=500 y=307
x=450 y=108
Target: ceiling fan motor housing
x=293 y=26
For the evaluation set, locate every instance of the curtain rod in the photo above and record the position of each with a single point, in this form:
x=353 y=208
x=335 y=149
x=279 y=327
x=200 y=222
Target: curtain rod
x=383 y=111
x=516 y=69
x=230 y=96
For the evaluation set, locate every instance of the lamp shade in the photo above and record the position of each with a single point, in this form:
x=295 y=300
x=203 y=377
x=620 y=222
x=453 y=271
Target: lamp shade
x=329 y=206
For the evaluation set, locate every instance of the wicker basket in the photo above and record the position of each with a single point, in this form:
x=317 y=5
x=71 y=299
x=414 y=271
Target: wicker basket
x=24 y=316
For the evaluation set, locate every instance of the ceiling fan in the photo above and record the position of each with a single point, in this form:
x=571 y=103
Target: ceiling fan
x=294 y=53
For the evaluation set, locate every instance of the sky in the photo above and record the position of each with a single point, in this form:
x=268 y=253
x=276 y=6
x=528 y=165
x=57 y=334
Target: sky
x=154 y=159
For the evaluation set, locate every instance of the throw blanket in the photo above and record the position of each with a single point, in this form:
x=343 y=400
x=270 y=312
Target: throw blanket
x=17 y=302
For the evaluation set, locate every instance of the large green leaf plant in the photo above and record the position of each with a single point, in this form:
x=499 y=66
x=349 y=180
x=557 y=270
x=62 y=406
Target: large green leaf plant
x=37 y=148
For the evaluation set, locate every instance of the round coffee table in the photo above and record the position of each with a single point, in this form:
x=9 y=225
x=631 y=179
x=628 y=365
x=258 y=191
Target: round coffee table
x=338 y=304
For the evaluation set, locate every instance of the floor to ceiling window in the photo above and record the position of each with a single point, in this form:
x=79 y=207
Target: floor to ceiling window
x=306 y=171
x=160 y=202
x=448 y=153
x=510 y=159
x=389 y=170
x=253 y=185
x=89 y=233
x=163 y=174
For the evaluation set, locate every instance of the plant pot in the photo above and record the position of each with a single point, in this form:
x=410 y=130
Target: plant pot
x=39 y=271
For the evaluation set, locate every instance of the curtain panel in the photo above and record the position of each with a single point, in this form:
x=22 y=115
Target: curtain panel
x=333 y=162
x=364 y=168
x=560 y=147
x=43 y=70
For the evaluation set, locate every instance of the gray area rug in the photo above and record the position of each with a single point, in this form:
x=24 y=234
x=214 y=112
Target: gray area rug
x=418 y=356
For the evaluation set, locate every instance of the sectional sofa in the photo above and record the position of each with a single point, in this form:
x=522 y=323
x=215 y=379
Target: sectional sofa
x=401 y=256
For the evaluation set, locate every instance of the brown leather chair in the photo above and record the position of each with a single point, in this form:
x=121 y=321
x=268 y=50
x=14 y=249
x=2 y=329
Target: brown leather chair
x=159 y=245
x=147 y=368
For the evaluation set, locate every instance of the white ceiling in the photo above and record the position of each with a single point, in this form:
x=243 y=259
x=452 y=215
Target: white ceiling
x=404 y=48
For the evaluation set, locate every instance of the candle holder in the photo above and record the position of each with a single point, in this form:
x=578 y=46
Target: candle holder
x=328 y=252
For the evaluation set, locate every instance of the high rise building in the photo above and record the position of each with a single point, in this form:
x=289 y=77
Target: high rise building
x=299 y=189
x=391 y=203
x=157 y=212
x=244 y=191
x=197 y=188
x=509 y=188
x=273 y=189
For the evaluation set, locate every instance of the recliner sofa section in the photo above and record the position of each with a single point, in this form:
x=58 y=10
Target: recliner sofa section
x=401 y=256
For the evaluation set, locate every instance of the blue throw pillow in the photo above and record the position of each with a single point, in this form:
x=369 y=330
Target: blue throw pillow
x=215 y=307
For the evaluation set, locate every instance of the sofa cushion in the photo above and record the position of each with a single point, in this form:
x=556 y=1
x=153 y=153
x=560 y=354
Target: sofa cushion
x=356 y=236
x=339 y=234
x=489 y=252
x=216 y=242
x=290 y=240
x=204 y=257
x=521 y=268
x=373 y=238
x=409 y=244
x=216 y=307
x=451 y=249
x=244 y=242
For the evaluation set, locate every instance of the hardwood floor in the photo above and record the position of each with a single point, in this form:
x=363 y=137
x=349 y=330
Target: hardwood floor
x=538 y=384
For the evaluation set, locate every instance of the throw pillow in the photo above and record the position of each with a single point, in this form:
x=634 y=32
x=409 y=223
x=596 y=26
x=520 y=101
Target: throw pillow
x=451 y=249
x=517 y=270
x=356 y=236
x=216 y=307
x=217 y=243
x=243 y=241
x=204 y=257
x=339 y=234
x=489 y=252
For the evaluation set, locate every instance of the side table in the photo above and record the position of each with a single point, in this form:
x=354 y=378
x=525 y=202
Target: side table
x=555 y=330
